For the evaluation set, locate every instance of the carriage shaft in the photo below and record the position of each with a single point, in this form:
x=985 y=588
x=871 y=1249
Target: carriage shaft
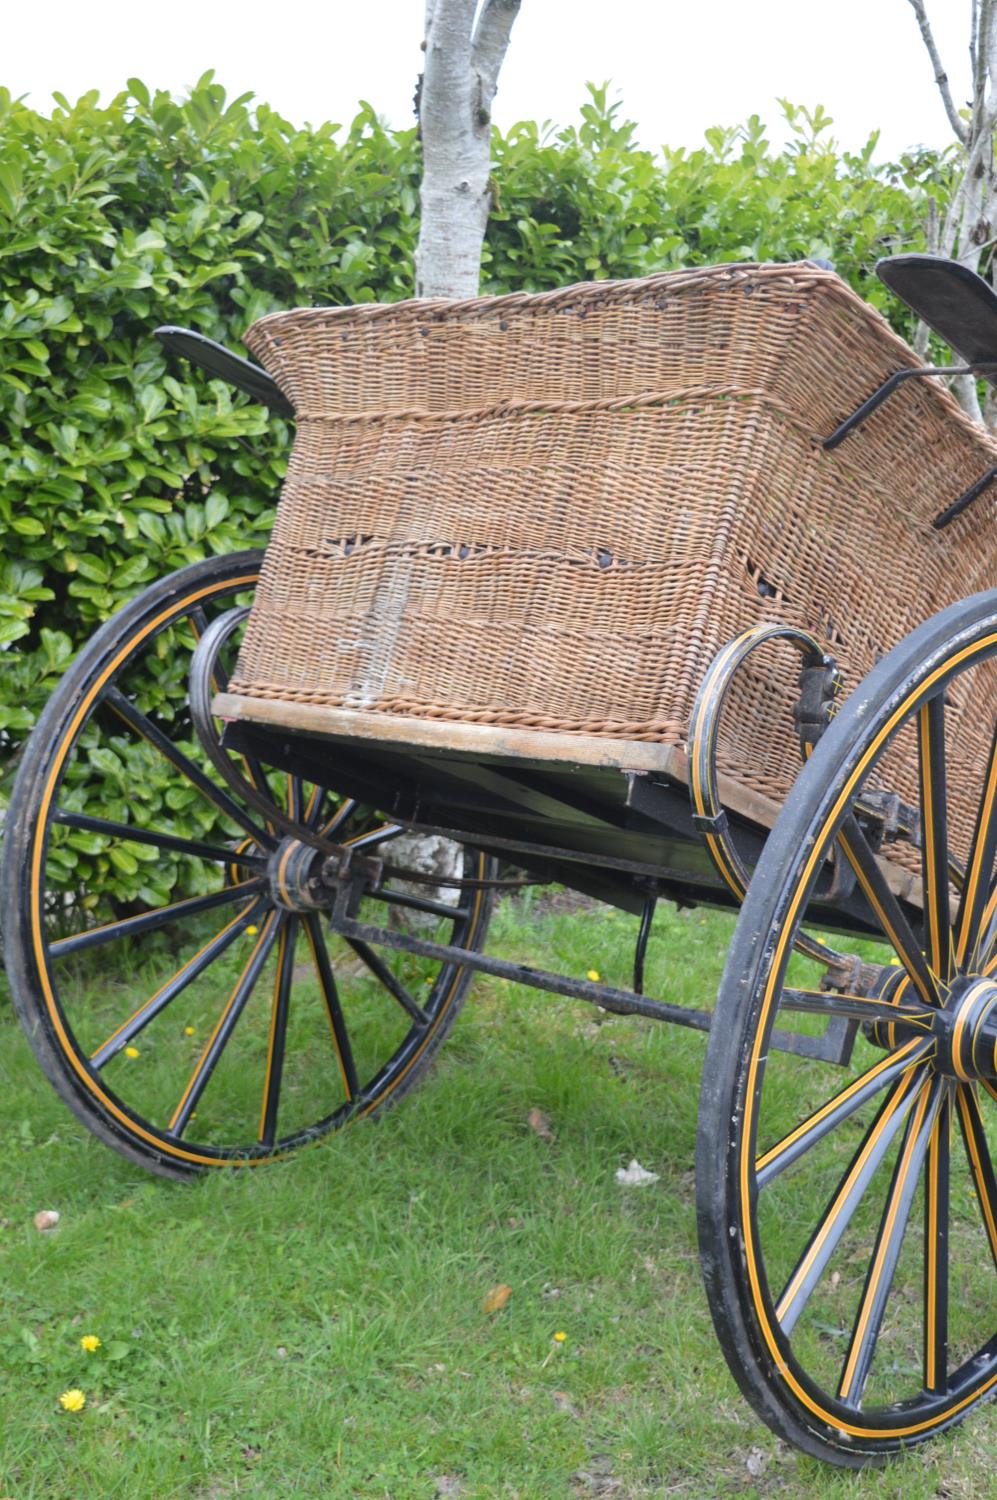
x=831 y=1047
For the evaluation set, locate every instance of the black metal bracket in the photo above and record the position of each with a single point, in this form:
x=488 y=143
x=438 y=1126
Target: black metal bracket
x=885 y=818
x=813 y=710
x=715 y=823
x=640 y=949
x=862 y=413
x=966 y=498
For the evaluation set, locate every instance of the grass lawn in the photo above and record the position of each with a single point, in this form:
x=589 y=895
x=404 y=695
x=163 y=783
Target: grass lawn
x=316 y=1329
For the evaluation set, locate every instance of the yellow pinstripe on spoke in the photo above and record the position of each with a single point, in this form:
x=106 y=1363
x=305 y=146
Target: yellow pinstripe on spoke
x=335 y=1039
x=264 y=934
x=976 y=871
x=161 y=911
x=182 y=970
x=936 y=1214
x=271 y=1039
x=832 y=1104
x=900 y=1098
x=936 y=881
x=989 y=911
x=969 y=1111
x=876 y=1270
x=888 y=927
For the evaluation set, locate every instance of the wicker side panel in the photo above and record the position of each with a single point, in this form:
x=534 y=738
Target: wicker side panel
x=542 y=569
x=862 y=604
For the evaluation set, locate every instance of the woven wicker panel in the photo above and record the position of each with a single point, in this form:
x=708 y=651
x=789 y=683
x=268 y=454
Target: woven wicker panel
x=550 y=511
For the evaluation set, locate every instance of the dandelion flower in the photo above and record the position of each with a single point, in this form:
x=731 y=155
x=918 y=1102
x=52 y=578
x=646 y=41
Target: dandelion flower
x=593 y=975
x=90 y=1342
x=73 y=1400
x=131 y=1052
x=252 y=930
x=559 y=1338
x=188 y=1031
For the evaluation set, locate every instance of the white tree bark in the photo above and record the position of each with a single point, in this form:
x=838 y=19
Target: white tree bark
x=465 y=47
x=968 y=223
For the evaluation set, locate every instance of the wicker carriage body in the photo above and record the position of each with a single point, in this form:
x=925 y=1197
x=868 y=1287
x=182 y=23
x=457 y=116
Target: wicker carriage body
x=528 y=523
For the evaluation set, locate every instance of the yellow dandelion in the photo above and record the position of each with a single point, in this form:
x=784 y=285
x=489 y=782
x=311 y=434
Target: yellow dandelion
x=251 y=930
x=559 y=1338
x=90 y=1342
x=593 y=975
x=131 y=1052
x=73 y=1400
x=188 y=1031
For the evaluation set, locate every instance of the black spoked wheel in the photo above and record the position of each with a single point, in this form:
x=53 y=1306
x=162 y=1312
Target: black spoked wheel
x=168 y=960
x=848 y=1219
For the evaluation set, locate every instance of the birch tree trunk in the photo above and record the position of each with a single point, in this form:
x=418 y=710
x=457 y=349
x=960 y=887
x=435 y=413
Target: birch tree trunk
x=465 y=44
x=967 y=227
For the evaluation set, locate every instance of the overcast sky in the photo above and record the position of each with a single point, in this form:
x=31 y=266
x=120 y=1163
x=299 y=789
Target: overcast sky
x=679 y=66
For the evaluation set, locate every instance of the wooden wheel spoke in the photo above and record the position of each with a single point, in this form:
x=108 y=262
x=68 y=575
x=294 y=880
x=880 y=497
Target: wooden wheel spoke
x=856 y=1007
x=276 y=1042
x=980 y=1164
x=341 y=816
x=158 y=840
x=830 y=1115
x=934 y=839
x=846 y=1198
x=376 y=836
x=987 y=936
x=174 y=986
x=314 y=806
x=936 y=1249
x=421 y=903
x=979 y=867
x=149 y=921
x=144 y=727
x=889 y=1240
x=333 y=1009
x=226 y=1023
x=887 y=909
x=388 y=980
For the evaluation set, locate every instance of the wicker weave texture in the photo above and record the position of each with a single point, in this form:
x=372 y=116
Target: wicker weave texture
x=550 y=511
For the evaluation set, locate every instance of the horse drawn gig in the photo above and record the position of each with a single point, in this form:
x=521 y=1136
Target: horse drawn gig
x=567 y=584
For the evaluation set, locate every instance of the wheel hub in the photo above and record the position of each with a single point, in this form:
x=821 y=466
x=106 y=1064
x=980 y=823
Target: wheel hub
x=302 y=878
x=294 y=873
x=966 y=1028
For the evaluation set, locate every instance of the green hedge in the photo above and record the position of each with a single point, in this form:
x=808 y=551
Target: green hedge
x=118 y=467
